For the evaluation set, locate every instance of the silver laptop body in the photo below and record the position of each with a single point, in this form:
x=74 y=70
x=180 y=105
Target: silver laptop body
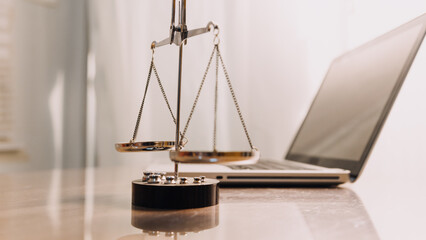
x=332 y=144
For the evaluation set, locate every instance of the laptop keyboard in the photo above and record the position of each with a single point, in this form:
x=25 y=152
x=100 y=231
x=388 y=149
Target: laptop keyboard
x=269 y=165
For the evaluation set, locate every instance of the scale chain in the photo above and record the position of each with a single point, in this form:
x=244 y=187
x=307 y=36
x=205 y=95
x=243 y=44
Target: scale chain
x=152 y=67
x=184 y=140
x=234 y=98
x=135 y=132
x=218 y=57
x=215 y=101
x=198 y=94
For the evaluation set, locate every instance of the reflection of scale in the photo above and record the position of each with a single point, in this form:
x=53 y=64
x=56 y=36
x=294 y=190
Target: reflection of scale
x=172 y=223
x=155 y=190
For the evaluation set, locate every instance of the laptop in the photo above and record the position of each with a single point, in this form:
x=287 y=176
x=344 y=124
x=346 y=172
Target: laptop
x=338 y=133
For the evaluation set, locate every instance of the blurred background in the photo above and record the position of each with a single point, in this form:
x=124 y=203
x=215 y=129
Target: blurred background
x=73 y=72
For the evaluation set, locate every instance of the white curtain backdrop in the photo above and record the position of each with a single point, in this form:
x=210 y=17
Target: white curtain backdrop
x=276 y=53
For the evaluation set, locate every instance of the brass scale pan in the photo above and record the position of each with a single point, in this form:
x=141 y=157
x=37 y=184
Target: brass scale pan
x=215 y=157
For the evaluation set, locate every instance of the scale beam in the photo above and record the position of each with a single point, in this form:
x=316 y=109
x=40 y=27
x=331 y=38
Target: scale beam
x=177 y=37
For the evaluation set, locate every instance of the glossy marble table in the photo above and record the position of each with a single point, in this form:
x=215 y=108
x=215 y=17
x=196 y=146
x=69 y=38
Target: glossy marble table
x=95 y=204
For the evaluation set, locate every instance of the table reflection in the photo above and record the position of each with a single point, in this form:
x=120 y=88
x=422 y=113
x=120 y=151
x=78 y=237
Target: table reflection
x=172 y=223
x=248 y=213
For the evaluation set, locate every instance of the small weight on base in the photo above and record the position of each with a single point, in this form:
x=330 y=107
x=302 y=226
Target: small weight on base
x=197 y=180
x=146 y=175
x=183 y=180
x=154 y=179
x=170 y=180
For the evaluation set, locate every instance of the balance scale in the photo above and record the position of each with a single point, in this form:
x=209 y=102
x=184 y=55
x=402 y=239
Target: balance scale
x=156 y=190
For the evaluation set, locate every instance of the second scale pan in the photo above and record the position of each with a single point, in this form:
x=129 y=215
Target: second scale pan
x=248 y=157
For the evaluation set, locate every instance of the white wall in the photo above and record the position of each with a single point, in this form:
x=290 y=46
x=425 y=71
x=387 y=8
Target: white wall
x=50 y=73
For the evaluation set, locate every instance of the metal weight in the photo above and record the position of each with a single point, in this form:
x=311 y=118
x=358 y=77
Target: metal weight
x=169 y=194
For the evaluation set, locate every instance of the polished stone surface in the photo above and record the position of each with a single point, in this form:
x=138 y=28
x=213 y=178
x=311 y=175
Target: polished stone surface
x=95 y=204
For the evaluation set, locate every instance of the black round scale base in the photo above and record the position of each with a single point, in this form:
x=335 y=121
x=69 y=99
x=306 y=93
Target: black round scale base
x=175 y=195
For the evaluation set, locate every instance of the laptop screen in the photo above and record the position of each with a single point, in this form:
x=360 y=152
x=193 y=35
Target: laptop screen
x=354 y=100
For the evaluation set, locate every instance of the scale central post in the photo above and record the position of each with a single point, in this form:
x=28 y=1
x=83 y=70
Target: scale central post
x=177 y=146
x=183 y=30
